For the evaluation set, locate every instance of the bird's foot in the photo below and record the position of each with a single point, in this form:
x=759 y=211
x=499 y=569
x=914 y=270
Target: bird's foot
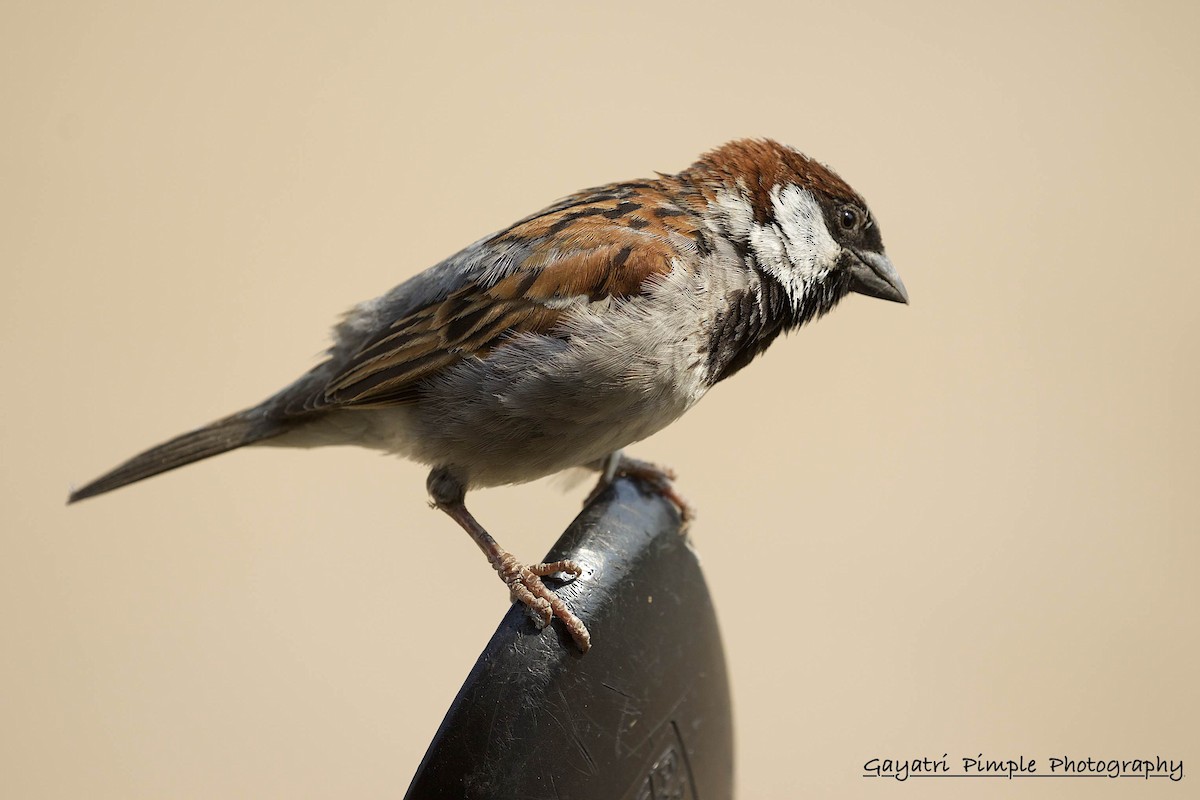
x=526 y=586
x=524 y=582
x=658 y=478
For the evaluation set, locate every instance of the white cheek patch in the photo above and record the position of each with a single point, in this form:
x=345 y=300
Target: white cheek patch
x=797 y=249
x=771 y=252
x=810 y=248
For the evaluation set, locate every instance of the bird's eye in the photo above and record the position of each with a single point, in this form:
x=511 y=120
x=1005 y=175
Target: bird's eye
x=848 y=218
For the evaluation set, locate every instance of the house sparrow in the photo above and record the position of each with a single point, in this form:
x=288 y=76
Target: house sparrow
x=571 y=334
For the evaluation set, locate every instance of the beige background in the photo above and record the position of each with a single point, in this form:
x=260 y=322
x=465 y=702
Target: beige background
x=965 y=526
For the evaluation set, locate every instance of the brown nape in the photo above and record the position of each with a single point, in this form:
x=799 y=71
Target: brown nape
x=759 y=165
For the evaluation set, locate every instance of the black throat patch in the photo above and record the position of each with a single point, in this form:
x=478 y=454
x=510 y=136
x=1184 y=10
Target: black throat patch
x=755 y=317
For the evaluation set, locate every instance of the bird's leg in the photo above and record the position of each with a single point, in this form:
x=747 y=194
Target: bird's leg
x=523 y=581
x=657 y=478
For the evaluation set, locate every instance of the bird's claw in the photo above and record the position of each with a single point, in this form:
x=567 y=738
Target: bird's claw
x=526 y=587
x=656 y=477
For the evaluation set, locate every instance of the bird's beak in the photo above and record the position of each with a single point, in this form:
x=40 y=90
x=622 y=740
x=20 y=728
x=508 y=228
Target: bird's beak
x=872 y=274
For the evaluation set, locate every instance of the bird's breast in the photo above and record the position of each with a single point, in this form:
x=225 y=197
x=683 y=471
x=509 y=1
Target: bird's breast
x=611 y=374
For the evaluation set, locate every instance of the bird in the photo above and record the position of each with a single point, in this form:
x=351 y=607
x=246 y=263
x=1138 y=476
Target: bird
x=575 y=332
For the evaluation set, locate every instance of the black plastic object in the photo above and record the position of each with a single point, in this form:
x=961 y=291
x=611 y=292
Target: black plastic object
x=644 y=715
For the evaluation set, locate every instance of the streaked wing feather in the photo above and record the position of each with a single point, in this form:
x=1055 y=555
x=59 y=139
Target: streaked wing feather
x=389 y=370
x=588 y=247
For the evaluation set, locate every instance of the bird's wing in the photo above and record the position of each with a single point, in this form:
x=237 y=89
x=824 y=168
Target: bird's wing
x=609 y=242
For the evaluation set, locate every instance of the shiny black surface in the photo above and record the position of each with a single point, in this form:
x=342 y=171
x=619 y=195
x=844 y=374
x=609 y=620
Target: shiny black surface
x=645 y=714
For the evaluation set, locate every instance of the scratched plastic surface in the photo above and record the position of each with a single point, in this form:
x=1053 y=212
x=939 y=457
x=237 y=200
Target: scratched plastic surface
x=645 y=715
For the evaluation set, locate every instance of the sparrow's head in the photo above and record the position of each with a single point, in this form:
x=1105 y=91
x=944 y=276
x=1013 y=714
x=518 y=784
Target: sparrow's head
x=797 y=222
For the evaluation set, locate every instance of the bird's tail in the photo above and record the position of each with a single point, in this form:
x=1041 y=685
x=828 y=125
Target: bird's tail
x=230 y=433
